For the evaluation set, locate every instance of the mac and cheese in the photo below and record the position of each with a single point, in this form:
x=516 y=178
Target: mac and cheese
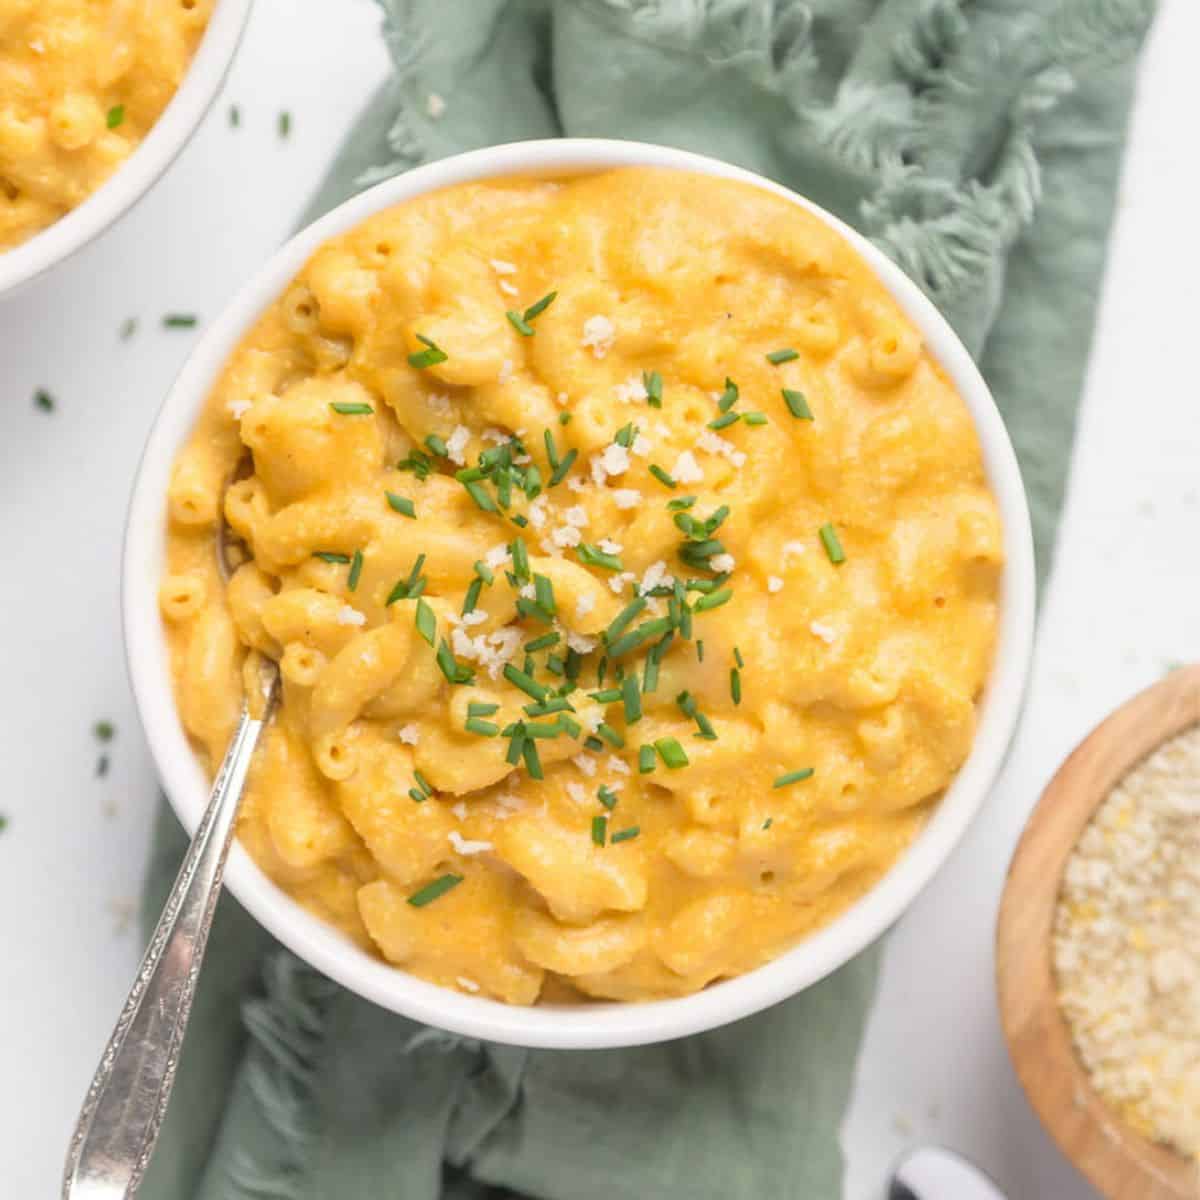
x=81 y=83
x=630 y=567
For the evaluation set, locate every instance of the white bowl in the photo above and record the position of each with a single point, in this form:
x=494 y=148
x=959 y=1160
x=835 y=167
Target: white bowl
x=157 y=150
x=599 y=1024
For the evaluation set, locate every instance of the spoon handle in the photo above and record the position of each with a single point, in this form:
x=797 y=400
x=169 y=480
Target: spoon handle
x=125 y=1104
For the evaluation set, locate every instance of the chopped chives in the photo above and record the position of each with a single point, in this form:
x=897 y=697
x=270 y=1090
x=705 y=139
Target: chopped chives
x=625 y=435
x=454 y=671
x=632 y=699
x=542 y=643
x=423 y=783
x=478 y=708
x=652 y=382
x=593 y=743
x=728 y=396
x=645 y=760
x=128 y=328
x=485 y=572
x=482 y=727
x=564 y=418
x=43 y=400
x=560 y=471
x=330 y=557
x=573 y=664
x=417 y=795
x=533 y=764
x=682 y=503
x=520 y=558
x=793 y=777
x=526 y=683
x=699 y=649
x=593 y=556
x=735 y=685
x=713 y=600
x=516 y=742
x=607 y=696
x=797 y=404
x=346 y=409
x=607 y=797
x=754 y=418
x=519 y=323
x=533 y=610
x=543 y=592
x=625 y=835
x=622 y=619
x=426 y=622
x=235 y=115
x=767 y=823
x=536 y=309
x=417 y=463
x=555 y=705
x=479 y=494
x=662 y=476
x=429 y=357
x=599 y=830
x=437 y=445
x=833 y=546
x=671 y=752
x=285 y=124
x=570 y=725
x=737 y=656
x=610 y=735
x=115 y=116
x=724 y=420
x=635 y=637
x=431 y=891
x=471 y=599
x=356 y=564
x=787 y=354
x=179 y=320
x=401 y=504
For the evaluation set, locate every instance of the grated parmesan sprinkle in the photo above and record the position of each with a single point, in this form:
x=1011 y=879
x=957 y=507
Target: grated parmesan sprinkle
x=1127 y=945
x=599 y=333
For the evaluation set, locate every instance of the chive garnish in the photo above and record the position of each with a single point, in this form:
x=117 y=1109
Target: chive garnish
x=426 y=622
x=645 y=760
x=713 y=600
x=437 y=446
x=542 y=643
x=782 y=356
x=519 y=323
x=610 y=735
x=593 y=556
x=652 y=382
x=635 y=637
x=526 y=683
x=454 y=671
x=682 y=503
x=543 y=591
x=833 y=546
x=482 y=727
x=417 y=795
x=622 y=619
x=104 y=731
x=479 y=708
x=471 y=599
x=115 y=116
x=724 y=420
x=429 y=357
x=793 y=777
x=410 y=588
x=179 y=321
x=560 y=472
x=662 y=476
x=356 y=564
x=533 y=764
x=797 y=404
x=594 y=744
x=423 y=783
x=671 y=752
x=351 y=409
x=768 y=822
x=606 y=696
x=520 y=559
x=128 y=328
x=737 y=657
x=625 y=435
x=481 y=496
x=485 y=572
x=632 y=699
x=599 y=830
x=329 y=557
x=533 y=610
x=235 y=115
x=735 y=685
x=728 y=396
x=538 y=307
x=557 y=704
x=625 y=835
x=754 y=418
x=401 y=504
x=43 y=400
x=285 y=124
x=416 y=462
x=431 y=891
x=607 y=797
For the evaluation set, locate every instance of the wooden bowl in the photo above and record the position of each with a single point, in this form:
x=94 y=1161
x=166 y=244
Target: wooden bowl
x=1120 y=1162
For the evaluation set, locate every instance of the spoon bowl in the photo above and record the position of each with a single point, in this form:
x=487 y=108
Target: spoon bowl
x=1120 y=1162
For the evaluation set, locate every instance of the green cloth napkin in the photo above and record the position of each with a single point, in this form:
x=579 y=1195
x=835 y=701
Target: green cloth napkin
x=976 y=143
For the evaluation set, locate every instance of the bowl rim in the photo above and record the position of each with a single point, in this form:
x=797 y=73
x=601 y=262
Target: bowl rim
x=603 y=1024
x=138 y=173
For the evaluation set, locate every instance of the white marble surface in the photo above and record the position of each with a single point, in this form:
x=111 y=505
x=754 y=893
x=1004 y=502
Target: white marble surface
x=1122 y=602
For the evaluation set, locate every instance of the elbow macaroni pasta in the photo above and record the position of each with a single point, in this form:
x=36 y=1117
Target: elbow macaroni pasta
x=452 y=520
x=81 y=84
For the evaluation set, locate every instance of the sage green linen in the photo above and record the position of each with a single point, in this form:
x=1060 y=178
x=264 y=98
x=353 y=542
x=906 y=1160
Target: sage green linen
x=979 y=145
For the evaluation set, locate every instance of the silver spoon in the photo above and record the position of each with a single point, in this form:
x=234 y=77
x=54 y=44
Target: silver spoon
x=121 y=1116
